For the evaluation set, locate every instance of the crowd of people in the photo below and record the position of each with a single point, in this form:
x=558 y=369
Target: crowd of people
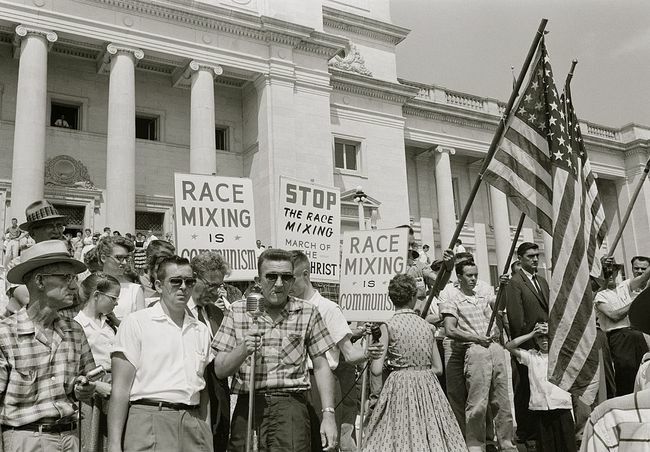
x=116 y=343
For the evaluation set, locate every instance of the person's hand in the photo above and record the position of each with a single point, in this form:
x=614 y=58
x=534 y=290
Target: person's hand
x=328 y=432
x=375 y=350
x=504 y=279
x=483 y=341
x=540 y=329
x=103 y=389
x=84 y=389
x=448 y=259
x=253 y=340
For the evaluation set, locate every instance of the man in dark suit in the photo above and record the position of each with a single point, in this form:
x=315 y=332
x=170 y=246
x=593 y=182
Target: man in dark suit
x=210 y=298
x=527 y=304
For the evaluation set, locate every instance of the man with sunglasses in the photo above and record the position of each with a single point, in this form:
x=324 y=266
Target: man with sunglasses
x=158 y=363
x=286 y=332
x=42 y=354
x=209 y=301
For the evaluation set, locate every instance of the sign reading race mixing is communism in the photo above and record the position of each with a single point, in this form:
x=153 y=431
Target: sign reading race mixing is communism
x=215 y=213
x=369 y=261
x=310 y=221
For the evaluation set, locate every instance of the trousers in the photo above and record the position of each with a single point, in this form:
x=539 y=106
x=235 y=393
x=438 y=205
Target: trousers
x=27 y=441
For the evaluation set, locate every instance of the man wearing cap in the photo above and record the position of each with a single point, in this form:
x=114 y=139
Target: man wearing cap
x=158 y=363
x=43 y=221
x=627 y=345
x=527 y=304
x=41 y=355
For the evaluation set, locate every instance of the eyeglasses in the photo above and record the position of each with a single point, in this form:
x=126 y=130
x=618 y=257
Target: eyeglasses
x=112 y=297
x=273 y=277
x=121 y=258
x=212 y=287
x=178 y=281
x=68 y=277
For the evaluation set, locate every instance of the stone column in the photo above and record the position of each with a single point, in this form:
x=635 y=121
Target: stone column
x=203 y=157
x=120 y=142
x=444 y=194
x=28 y=168
x=501 y=222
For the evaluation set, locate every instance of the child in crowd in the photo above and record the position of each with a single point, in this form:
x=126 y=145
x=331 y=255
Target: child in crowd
x=550 y=405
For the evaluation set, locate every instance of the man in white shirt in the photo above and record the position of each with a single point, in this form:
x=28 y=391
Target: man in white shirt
x=627 y=345
x=340 y=333
x=150 y=238
x=158 y=364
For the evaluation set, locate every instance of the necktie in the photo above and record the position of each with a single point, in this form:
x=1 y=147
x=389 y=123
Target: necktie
x=538 y=288
x=200 y=315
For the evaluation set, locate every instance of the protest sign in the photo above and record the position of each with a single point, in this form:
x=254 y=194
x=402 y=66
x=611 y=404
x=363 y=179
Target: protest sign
x=310 y=221
x=215 y=213
x=370 y=260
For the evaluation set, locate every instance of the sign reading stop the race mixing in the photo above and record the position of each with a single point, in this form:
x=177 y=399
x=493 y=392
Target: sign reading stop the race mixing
x=310 y=221
x=370 y=260
x=215 y=213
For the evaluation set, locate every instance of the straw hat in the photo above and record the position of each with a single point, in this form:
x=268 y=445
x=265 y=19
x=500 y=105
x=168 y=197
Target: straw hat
x=639 y=313
x=39 y=211
x=41 y=254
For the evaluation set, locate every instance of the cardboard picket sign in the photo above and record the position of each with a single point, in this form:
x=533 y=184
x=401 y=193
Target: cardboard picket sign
x=369 y=261
x=215 y=213
x=310 y=221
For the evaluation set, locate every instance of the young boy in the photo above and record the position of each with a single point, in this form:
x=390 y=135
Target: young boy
x=551 y=405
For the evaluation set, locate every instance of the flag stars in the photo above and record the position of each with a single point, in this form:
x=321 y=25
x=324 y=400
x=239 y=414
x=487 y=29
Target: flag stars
x=528 y=98
x=553 y=105
x=532 y=118
x=522 y=111
x=538 y=106
x=558 y=155
x=534 y=85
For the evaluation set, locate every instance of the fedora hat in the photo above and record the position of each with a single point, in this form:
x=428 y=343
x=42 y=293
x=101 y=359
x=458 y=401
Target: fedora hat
x=41 y=254
x=39 y=211
x=639 y=313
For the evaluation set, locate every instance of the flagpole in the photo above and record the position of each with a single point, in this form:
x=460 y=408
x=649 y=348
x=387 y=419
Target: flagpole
x=569 y=76
x=626 y=217
x=445 y=272
x=506 y=267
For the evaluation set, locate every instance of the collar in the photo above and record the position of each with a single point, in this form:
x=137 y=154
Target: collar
x=529 y=275
x=24 y=324
x=315 y=298
x=157 y=313
x=83 y=320
x=191 y=305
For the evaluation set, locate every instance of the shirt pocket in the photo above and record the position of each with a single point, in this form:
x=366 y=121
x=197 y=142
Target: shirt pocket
x=22 y=383
x=293 y=349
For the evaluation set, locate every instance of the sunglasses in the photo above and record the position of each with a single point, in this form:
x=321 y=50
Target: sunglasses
x=112 y=297
x=273 y=277
x=210 y=286
x=121 y=259
x=177 y=282
x=67 y=277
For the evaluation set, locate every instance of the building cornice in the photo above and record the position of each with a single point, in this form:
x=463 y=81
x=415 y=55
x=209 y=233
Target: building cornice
x=370 y=87
x=364 y=26
x=454 y=115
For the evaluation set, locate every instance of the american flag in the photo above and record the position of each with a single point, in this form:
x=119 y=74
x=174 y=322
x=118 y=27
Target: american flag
x=544 y=175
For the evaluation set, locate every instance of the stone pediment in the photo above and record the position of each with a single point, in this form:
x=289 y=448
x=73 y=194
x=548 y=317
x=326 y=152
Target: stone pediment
x=66 y=171
x=352 y=62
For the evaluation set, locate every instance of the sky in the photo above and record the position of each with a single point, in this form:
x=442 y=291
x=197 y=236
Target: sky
x=470 y=46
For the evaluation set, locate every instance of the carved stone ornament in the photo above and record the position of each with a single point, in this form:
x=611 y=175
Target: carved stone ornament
x=353 y=62
x=65 y=171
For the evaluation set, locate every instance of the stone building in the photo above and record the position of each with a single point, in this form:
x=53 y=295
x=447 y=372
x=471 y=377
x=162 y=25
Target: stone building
x=101 y=101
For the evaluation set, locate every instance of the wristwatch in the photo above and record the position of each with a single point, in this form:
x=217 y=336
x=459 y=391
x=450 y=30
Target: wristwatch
x=329 y=409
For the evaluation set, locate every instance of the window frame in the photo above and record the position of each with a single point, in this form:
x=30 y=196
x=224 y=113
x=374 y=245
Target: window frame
x=226 y=138
x=69 y=101
x=359 y=143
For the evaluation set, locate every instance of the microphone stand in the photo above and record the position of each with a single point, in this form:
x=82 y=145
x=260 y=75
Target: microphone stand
x=250 y=432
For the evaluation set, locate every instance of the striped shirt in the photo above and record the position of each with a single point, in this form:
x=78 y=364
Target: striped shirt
x=472 y=312
x=619 y=424
x=281 y=361
x=37 y=374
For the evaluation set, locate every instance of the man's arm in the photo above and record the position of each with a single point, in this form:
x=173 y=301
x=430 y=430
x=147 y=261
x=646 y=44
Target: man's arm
x=514 y=308
x=613 y=314
x=453 y=332
x=123 y=376
x=228 y=363
x=325 y=384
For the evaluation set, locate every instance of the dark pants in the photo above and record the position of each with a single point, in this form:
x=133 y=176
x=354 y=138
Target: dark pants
x=525 y=422
x=219 y=412
x=627 y=347
x=281 y=423
x=555 y=431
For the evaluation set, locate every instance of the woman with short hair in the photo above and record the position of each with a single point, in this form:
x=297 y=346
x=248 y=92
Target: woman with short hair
x=412 y=412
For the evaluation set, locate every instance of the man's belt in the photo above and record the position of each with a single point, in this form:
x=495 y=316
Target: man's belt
x=44 y=428
x=299 y=395
x=160 y=405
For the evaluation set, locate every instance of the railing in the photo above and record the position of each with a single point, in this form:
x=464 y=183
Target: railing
x=601 y=131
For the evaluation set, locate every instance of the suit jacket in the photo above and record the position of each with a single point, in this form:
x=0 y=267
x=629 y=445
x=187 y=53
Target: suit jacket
x=526 y=306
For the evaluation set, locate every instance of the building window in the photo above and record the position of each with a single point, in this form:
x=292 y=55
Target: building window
x=494 y=275
x=150 y=221
x=65 y=116
x=74 y=215
x=221 y=138
x=454 y=185
x=146 y=127
x=346 y=155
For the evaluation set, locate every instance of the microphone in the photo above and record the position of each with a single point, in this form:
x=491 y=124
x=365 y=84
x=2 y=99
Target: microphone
x=254 y=304
x=94 y=375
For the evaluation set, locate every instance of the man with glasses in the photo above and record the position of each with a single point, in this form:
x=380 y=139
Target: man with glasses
x=41 y=355
x=210 y=300
x=287 y=331
x=158 y=363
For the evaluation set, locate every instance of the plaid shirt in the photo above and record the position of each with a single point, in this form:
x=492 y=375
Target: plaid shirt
x=37 y=375
x=472 y=312
x=281 y=361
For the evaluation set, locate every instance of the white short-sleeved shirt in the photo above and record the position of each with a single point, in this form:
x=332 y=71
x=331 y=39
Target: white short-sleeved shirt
x=169 y=360
x=335 y=323
x=126 y=304
x=616 y=299
x=544 y=395
x=101 y=338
